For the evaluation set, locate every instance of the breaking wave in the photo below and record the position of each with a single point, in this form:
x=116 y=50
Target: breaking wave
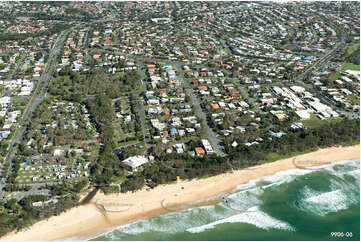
x=252 y=216
x=246 y=204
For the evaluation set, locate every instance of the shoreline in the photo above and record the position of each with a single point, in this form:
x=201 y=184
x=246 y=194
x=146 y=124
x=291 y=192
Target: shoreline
x=88 y=221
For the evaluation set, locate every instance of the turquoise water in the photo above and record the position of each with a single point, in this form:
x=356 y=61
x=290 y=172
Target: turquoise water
x=291 y=205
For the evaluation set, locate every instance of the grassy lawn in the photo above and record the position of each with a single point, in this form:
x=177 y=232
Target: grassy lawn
x=18 y=101
x=350 y=66
x=315 y=122
x=132 y=142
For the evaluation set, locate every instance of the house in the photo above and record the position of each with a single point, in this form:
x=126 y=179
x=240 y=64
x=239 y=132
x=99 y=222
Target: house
x=153 y=101
x=303 y=114
x=297 y=89
x=96 y=56
x=173 y=131
x=207 y=146
x=319 y=107
x=58 y=152
x=202 y=88
x=4 y=101
x=281 y=116
x=190 y=130
x=277 y=135
x=214 y=105
x=297 y=125
x=235 y=94
x=200 y=151
x=179 y=148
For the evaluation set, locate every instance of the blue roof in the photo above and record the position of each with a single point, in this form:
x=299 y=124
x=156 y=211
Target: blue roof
x=173 y=131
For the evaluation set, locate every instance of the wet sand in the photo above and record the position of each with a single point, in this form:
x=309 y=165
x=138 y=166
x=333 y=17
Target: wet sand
x=87 y=221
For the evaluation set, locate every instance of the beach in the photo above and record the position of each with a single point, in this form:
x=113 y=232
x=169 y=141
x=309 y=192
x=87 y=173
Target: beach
x=87 y=221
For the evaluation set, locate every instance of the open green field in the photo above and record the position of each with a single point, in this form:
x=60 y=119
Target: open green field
x=18 y=101
x=350 y=66
x=315 y=122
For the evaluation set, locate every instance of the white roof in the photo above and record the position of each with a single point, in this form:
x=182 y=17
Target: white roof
x=135 y=161
x=5 y=99
x=303 y=114
x=297 y=89
x=320 y=107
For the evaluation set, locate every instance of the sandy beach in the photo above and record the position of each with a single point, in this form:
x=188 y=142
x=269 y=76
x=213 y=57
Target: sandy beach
x=89 y=220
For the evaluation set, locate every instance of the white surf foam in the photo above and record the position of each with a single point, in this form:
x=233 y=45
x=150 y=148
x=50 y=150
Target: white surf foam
x=171 y=222
x=308 y=192
x=245 y=197
x=337 y=196
x=343 y=193
x=328 y=202
x=349 y=163
x=253 y=216
x=354 y=173
x=273 y=180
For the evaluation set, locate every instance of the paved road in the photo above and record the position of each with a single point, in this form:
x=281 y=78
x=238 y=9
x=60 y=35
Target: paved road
x=141 y=109
x=86 y=46
x=142 y=74
x=142 y=119
x=37 y=97
x=301 y=78
x=210 y=134
x=319 y=63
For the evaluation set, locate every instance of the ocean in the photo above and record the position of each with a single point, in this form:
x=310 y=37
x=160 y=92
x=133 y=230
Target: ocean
x=320 y=203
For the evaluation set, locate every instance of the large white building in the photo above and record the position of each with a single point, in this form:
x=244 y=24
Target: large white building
x=135 y=161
